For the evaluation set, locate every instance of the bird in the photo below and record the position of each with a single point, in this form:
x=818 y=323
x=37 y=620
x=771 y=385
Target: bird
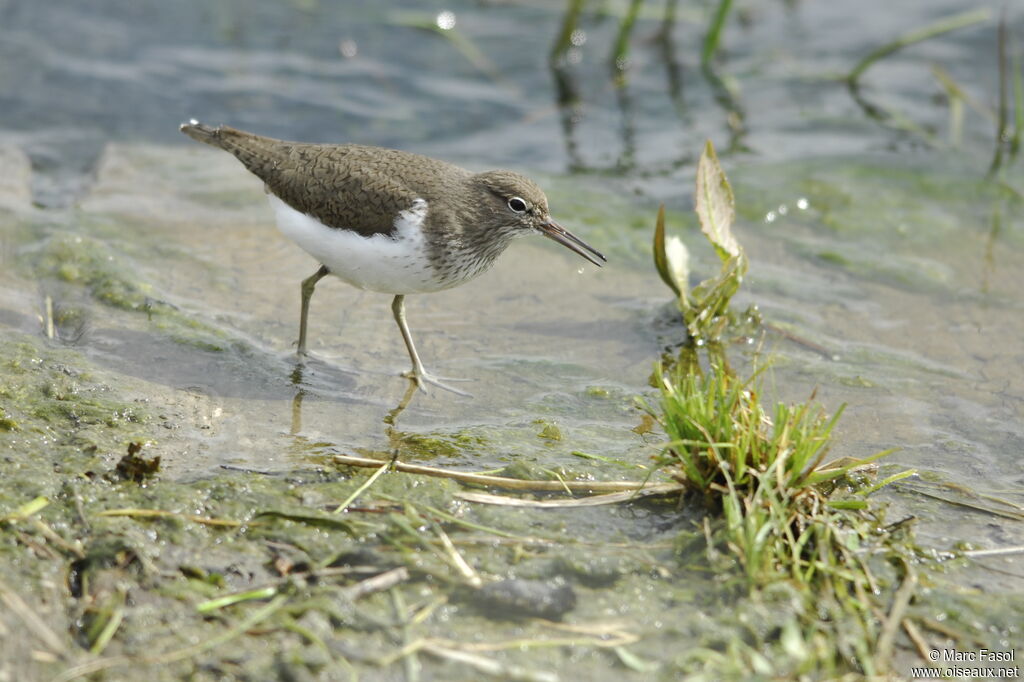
x=390 y=221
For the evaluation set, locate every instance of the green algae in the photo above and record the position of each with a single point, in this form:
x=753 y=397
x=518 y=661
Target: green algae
x=599 y=392
x=618 y=222
x=7 y=423
x=90 y=263
x=461 y=443
x=76 y=266
x=56 y=404
x=870 y=198
x=548 y=430
x=890 y=223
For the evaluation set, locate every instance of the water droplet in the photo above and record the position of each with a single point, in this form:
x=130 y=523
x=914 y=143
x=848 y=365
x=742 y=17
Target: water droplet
x=348 y=48
x=446 y=20
x=802 y=203
x=580 y=270
x=578 y=37
x=783 y=209
x=769 y=217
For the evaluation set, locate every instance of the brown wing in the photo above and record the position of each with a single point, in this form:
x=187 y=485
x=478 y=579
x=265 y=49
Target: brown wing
x=339 y=186
x=345 y=186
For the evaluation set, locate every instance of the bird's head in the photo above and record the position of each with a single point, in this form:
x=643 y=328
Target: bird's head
x=519 y=206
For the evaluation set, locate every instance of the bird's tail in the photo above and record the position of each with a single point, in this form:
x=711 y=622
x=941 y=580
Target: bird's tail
x=254 y=151
x=202 y=132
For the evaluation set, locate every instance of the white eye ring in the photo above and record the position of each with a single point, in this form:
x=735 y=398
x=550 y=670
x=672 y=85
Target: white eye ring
x=517 y=205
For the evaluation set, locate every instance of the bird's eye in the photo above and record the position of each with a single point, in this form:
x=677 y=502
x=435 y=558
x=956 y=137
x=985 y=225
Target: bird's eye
x=517 y=205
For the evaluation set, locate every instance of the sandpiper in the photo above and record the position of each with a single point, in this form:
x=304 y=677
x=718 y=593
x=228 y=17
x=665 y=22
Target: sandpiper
x=390 y=221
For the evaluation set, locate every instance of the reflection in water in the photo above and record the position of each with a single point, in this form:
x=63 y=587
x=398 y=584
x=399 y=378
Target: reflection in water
x=566 y=91
x=889 y=118
x=895 y=119
x=726 y=98
x=394 y=436
x=564 y=54
x=1005 y=139
x=989 y=266
x=391 y=416
x=564 y=60
x=627 y=159
x=620 y=64
x=668 y=54
x=300 y=393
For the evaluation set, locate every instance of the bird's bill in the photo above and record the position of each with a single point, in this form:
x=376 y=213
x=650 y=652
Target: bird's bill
x=567 y=239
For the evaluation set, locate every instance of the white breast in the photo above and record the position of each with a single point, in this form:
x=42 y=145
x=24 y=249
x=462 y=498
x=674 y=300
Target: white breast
x=390 y=265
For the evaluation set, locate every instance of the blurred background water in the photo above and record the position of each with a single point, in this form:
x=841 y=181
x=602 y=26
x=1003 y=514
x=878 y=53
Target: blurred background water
x=481 y=82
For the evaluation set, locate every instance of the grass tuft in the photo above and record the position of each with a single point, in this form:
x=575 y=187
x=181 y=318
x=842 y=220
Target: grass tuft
x=722 y=437
x=779 y=523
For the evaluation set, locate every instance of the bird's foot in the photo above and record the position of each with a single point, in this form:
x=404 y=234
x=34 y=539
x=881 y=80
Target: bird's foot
x=422 y=379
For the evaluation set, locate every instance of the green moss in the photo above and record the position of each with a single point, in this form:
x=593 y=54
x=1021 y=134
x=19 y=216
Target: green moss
x=6 y=423
x=50 y=395
x=528 y=472
x=856 y=382
x=440 y=444
x=618 y=222
x=834 y=258
x=549 y=430
x=88 y=262
x=109 y=277
x=199 y=343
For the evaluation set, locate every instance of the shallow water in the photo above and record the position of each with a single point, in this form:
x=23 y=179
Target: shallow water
x=891 y=261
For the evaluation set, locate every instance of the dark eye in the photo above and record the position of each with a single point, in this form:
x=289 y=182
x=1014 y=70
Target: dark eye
x=517 y=205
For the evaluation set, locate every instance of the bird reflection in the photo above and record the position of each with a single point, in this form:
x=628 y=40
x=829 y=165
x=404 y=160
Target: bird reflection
x=392 y=416
x=389 y=420
x=300 y=393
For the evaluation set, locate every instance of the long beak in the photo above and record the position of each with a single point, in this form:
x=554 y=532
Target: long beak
x=567 y=239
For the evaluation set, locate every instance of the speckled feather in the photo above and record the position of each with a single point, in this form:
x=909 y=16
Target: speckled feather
x=363 y=189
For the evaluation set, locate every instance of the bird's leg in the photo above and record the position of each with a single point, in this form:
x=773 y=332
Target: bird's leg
x=417 y=373
x=308 y=285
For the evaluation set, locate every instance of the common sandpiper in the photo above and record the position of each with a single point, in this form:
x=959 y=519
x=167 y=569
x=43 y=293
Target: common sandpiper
x=390 y=221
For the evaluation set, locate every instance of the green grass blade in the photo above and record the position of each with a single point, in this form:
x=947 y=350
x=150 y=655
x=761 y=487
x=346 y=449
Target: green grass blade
x=920 y=35
x=26 y=510
x=714 y=34
x=886 y=481
x=816 y=477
